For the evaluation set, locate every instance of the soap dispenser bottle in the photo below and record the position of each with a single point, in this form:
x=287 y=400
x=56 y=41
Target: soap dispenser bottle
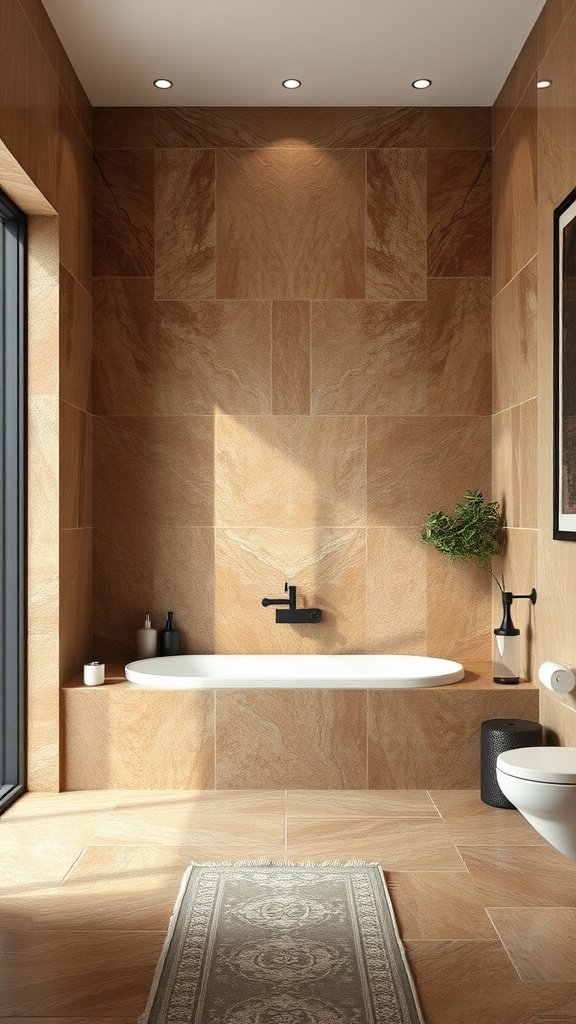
x=169 y=637
x=147 y=640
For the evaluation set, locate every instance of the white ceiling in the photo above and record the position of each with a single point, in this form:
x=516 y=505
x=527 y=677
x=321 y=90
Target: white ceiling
x=346 y=52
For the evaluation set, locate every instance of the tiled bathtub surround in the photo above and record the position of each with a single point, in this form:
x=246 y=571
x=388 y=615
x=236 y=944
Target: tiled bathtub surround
x=291 y=368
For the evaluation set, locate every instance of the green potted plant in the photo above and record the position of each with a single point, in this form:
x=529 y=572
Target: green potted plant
x=472 y=533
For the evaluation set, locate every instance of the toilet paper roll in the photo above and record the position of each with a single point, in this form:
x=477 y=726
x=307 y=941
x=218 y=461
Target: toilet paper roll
x=559 y=678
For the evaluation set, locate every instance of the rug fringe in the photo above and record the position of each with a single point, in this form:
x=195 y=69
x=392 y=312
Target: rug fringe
x=264 y=862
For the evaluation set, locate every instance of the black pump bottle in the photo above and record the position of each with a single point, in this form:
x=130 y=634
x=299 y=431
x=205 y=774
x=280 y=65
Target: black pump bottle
x=169 y=638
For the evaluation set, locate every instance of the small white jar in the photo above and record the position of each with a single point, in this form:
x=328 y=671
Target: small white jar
x=94 y=672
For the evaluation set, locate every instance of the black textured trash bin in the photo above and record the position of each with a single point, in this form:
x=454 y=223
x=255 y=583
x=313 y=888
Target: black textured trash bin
x=496 y=736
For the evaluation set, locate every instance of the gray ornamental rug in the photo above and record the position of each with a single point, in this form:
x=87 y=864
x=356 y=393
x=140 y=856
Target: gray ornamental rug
x=283 y=944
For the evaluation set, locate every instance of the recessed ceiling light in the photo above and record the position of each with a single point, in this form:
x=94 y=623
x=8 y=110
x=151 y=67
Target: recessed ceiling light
x=544 y=83
x=422 y=83
x=163 y=83
x=291 y=83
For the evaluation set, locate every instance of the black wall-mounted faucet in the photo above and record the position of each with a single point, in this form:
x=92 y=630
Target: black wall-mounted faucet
x=291 y=613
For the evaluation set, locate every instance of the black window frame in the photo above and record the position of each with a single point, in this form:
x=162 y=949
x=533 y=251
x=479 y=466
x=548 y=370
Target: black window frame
x=13 y=454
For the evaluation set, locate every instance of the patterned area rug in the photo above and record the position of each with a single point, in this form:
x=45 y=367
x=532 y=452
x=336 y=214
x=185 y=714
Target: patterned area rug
x=283 y=944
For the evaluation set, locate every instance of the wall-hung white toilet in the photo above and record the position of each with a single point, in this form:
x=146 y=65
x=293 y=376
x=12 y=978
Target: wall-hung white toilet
x=541 y=783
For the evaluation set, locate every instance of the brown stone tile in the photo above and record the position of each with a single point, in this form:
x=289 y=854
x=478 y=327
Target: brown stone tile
x=74 y=92
x=124 y=213
x=514 y=214
x=75 y=601
x=79 y=973
x=125 y=353
x=419 y=464
x=185 y=264
x=549 y=23
x=123 y=588
x=184 y=582
x=538 y=940
x=519 y=567
x=41 y=119
x=395 y=592
x=459 y=347
x=75 y=342
x=124 y=127
x=212 y=358
x=440 y=720
x=290 y=470
x=410 y=844
x=327 y=566
x=438 y=905
x=515 y=351
x=144 y=474
x=460 y=980
x=396 y=224
x=115 y=733
x=521 y=874
x=74 y=195
x=459 y=127
x=43 y=29
x=256 y=127
x=458 y=610
x=459 y=201
x=291 y=358
x=519 y=80
x=290 y=224
x=368 y=358
x=515 y=434
x=295 y=738
x=471 y=822
x=374 y=803
x=13 y=34
x=75 y=467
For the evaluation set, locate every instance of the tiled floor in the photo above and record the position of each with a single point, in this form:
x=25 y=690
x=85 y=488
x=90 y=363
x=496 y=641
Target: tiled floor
x=486 y=909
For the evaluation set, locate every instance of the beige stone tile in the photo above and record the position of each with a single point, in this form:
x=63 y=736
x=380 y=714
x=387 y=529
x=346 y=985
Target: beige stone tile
x=44 y=311
x=290 y=224
x=125 y=354
x=207 y=804
x=291 y=358
x=458 y=325
x=13 y=33
x=75 y=467
x=115 y=736
x=459 y=127
x=374 y=803
x=518 y=81
x=207 y=837
x=185 y=195
x=287 y=127
x=519 y=566
x=458 y=609
x=396 y=591
x=124 y=127
x=459 y=212
x=184 y=580
x=124 y=195
x=368 y=358
x=297 y=738
x=515 y=351
x=75 y=590
x=326 y=565
x=75 y=195
x=558 y=718
x=538 y=940
x=396 y=224
x=41 y=117
x=143 y=473
x=521 y=874
x=514 y=471
x=123 y=589
x=438 y=905
x=472 y=822
x=75 y=342
x=460 y=980
x=212 y=357
x=79 y=973
x=417 y=465
x=413 y=844
x=440 y=720
x=514 y=193
x=290 y=471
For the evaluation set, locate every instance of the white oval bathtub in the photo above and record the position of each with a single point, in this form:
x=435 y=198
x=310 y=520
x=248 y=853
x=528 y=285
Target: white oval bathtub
x=288 y=671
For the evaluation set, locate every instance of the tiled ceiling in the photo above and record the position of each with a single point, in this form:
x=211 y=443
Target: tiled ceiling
x=346 y=52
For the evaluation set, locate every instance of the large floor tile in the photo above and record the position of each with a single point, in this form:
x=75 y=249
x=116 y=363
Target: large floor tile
x=200 y=802
x=373 y=803
x=417 y=844
x=518 y=876
x=470 y=821
x=438 y=905
x=210 y=837
x=539 y=940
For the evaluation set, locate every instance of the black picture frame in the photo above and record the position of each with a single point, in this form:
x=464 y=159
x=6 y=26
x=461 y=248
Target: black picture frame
x=564 y=378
